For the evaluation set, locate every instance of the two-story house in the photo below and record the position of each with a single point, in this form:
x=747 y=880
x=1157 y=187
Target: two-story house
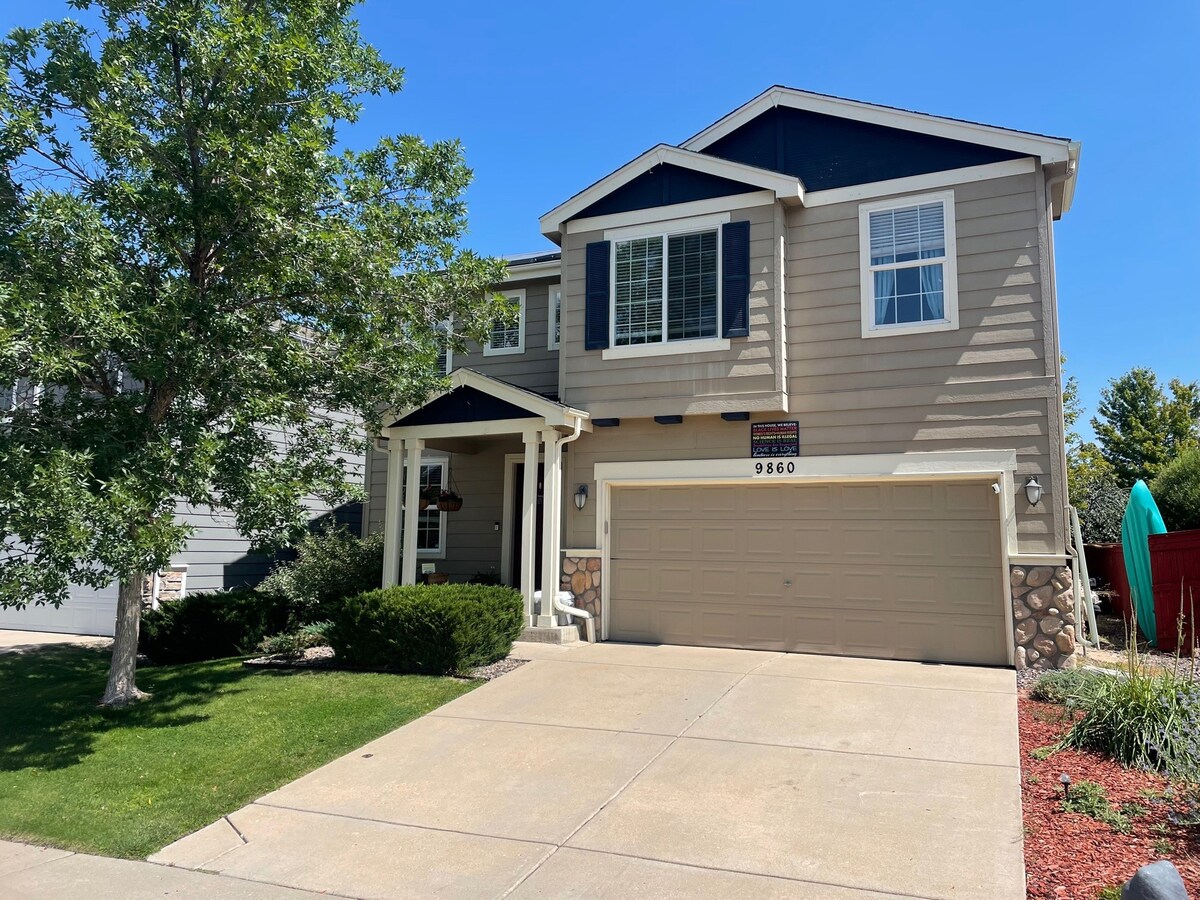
x=793 y=384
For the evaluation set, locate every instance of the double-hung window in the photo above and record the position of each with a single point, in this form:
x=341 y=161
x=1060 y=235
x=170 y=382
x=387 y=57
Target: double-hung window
x=508 y=332
x=554 y=319
x=908 y=267
x=666 y=287
x=431 y=521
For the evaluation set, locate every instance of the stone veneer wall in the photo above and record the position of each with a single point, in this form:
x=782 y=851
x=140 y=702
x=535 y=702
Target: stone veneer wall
x=1043 y=606
x=170 y=585
x=581 y=576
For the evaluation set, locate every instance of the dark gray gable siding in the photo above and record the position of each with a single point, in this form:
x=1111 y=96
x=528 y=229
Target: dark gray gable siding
x=662 y=186
x=830 y=152
x=463 y=404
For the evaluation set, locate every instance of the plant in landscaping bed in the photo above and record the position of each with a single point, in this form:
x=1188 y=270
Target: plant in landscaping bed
x=211 y=625
x=330 y=565
x=427 y=628
x=1065 y=685
x=1090 y=799
x=293 y=643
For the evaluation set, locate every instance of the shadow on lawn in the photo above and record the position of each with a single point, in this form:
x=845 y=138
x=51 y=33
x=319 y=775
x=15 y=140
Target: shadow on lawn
x=49 y=712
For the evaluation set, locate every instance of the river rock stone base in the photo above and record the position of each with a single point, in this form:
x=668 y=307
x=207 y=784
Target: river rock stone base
x=581 y=576
x=1043 y=609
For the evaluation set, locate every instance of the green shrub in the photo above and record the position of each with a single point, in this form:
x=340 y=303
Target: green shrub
x=1090 y=799
x=1176 y=490
x=331 y=565
x=211 y=625
x=294 y=643
x=431 y=629
x=1150 y=719
x=1063 y=685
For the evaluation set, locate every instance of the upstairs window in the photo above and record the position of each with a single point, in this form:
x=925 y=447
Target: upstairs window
x=665 y=288
x=909 y=273
x=508 y=334
x=554 y=319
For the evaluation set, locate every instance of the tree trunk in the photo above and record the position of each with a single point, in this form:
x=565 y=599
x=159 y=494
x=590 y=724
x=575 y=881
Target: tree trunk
x=122 y=687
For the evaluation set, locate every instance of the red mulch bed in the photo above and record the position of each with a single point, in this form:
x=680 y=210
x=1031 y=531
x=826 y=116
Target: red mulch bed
x=1070 y=856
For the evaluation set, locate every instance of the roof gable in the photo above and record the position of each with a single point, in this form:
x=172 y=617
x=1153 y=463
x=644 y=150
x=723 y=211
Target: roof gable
x=464 y=404
x=826 y=151
x=662 y=186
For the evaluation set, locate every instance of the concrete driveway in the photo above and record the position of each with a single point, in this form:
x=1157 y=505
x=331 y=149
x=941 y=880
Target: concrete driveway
x=614 y=770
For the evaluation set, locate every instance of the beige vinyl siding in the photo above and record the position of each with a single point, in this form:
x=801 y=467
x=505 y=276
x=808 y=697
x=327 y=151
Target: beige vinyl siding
x=537 y=368
x=986 y=385
x=747 y=376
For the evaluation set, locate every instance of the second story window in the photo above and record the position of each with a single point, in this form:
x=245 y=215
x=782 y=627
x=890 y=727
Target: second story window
x=909 y=276
x=508 y=333
x=665 y=288
x=554 y=328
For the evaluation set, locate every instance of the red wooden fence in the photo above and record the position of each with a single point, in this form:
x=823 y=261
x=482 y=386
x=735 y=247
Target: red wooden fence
x=1175 y=564
x=1106 y=563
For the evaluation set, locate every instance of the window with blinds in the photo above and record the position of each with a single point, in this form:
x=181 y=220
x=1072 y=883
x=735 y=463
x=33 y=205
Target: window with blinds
x=665 y=288
x=907 y=254
x=508 y=332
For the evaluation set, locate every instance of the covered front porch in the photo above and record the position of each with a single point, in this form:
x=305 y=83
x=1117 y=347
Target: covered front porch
x=499 y=438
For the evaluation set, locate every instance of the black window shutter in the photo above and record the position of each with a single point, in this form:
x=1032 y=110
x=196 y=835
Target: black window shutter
x=735 y=279
x=596 y=313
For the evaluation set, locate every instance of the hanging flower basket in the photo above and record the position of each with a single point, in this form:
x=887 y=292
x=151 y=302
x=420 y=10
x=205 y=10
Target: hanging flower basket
x=429 y=497
x=448 y=501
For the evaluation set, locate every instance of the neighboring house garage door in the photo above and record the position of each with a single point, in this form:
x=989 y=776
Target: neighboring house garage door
x=905 y=570
x=86 y=611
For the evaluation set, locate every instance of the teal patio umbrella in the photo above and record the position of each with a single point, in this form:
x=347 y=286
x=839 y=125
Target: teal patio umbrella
x=1141 y=520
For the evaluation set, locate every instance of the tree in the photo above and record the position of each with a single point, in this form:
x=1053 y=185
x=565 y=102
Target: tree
x=1085 y=464
x=1140 y=429
x=197 y=272
x=1176 y=489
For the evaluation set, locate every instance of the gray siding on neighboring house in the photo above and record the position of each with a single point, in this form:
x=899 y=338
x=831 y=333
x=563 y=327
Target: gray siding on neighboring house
x=747 y=376
x=986 y=385
x=537 y=368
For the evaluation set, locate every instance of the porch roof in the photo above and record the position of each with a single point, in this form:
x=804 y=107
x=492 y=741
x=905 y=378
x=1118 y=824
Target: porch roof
x=478 y=403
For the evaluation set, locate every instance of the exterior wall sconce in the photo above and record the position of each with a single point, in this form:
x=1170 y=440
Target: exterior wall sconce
x=1033 y=490
x=581 y=497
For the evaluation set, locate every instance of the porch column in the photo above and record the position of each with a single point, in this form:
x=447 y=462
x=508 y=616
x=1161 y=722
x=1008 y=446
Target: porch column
x=412 y=506
x=392 y=513
x=551 y=500
x=528 y=576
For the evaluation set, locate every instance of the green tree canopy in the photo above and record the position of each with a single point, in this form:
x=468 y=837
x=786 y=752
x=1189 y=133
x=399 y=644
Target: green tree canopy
x=196 y=271
x=1140 y=428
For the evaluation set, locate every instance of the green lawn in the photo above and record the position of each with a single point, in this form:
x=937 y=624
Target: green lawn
x=213 y=737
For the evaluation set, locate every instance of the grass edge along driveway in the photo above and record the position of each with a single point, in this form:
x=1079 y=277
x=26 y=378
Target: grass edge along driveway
x=214 y=736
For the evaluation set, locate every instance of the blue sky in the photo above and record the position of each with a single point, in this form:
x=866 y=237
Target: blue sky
x=549 y=97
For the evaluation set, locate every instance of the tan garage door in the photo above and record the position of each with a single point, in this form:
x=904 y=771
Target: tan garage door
x=893 y=570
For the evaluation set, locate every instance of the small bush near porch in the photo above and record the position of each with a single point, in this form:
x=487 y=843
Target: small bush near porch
x=431 y=629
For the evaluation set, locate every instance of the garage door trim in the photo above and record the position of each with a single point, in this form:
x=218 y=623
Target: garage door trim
x=962 y=465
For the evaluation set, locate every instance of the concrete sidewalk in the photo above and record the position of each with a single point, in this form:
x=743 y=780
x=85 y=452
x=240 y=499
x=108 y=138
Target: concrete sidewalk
x=614 y=770
x=12 y=641
x=38 y=873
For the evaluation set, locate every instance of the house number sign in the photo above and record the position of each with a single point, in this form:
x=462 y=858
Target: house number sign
x=771 y=440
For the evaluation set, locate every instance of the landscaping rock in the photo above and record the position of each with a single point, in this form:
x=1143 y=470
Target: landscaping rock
x=1025 y=631
x=1155 y=881
x=1065 y=641
x=1016 y=577
x=1019 y=658
x=1051 y=625
x=1040 y=599
x=1039 y=575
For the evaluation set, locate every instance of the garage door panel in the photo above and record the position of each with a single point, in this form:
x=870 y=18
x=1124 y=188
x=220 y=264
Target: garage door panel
x=905 y=570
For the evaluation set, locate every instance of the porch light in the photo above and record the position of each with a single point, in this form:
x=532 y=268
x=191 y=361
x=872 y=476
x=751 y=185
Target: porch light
x=581 y=497
x=1033 y=490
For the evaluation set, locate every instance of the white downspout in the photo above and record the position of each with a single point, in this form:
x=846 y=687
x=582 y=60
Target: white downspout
x=589 y=621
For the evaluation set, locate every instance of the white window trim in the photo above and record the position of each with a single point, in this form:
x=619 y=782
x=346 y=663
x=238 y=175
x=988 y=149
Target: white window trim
x=432 y=457
x=517 y=295
x=551 y=343
x=664 y=230
x=949 y=267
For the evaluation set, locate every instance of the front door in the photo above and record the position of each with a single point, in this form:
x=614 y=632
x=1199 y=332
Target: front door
x=518 y=504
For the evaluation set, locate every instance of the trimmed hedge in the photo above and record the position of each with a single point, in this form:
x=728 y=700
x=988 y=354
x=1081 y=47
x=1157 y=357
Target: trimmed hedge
x=211 y=625
x=331 y=564
x=430 y=629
